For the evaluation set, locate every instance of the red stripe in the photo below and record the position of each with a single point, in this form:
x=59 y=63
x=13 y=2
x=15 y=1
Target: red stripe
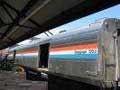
x=75 y=47
x=63 y=48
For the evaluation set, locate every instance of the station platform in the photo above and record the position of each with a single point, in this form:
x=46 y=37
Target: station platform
x=10 y=80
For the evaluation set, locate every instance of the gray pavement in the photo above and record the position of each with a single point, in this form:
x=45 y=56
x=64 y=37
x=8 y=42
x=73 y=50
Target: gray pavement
x=10 y=80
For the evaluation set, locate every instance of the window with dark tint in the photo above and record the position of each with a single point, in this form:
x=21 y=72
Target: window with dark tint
x=44 y=53
x=118 y=32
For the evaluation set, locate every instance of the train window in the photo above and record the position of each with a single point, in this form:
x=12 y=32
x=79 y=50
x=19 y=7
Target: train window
x=118 y=32
x=14 y=55
x=43 y=56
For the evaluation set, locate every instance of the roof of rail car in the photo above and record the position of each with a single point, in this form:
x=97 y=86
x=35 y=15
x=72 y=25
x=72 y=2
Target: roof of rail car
x=93 y=26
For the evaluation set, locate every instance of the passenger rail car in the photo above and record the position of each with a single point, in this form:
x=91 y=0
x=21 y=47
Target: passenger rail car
x=90 y=54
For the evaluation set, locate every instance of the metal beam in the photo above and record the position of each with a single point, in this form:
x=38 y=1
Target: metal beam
x=25 y=26
x=21 y=15
x=38 y=25
x=34 y=22
x=22 y=37
x=4 y=24
x=35 y=11
x=31 y=14
x=6 y=10
x=10 y=39
x=11 y=7
x=1 y=22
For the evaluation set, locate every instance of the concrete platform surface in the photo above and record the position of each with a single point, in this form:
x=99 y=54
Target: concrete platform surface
x=10 y=80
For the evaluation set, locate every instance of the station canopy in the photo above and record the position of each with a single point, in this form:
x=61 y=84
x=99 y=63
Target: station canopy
x=22 y=19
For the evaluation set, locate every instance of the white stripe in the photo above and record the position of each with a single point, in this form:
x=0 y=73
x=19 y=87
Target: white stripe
x=10 y=55
x=28 y=54
x=81 y=51
x=62 y=52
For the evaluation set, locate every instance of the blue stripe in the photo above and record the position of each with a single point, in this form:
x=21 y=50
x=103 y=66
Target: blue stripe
x=68 y=57
x=74 y=57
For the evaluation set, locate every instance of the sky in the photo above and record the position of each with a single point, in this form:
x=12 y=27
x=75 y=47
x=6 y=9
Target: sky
x=113 y=12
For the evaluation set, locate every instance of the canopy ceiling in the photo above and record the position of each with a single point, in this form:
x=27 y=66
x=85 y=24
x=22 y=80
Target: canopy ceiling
x=22 y=19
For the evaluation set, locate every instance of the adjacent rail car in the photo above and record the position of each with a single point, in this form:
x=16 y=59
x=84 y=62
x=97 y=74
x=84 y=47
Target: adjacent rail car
x=90 y=54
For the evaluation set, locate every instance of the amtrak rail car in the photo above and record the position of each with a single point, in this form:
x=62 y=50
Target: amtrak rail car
x=90 y=54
